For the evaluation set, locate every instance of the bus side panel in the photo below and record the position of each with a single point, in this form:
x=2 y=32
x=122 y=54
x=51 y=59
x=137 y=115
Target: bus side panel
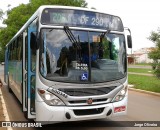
x=19 y=78
x=15 y=78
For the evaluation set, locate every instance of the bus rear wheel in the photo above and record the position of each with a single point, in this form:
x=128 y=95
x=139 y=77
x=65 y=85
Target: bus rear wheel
x=9 y=89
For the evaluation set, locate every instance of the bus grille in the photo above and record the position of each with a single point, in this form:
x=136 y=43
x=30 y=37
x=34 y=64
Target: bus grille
x=88 y=111
x=87 y=91
x=84 y=101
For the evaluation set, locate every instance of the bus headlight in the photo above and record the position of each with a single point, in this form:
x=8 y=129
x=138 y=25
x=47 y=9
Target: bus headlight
x=120 y=96
x=50 y=98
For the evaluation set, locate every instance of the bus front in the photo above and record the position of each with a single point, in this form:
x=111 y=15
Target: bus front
x=82 y=66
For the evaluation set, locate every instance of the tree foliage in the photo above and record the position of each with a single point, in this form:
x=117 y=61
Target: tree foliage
x=155 y=54
x=20 y=14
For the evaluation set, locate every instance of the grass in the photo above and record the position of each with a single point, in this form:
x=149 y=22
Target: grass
x=140 y=70
x=145 y=82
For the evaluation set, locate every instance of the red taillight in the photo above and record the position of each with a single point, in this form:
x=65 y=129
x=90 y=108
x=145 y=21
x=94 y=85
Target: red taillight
x=119 y=109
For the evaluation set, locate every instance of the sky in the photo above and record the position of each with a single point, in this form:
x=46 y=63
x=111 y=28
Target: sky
x=140 y=16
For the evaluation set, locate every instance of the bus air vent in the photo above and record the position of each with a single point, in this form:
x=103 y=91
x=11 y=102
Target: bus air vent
x=88 y=111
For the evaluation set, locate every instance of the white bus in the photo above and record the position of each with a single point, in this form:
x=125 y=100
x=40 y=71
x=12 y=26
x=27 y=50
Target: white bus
x=69 y=64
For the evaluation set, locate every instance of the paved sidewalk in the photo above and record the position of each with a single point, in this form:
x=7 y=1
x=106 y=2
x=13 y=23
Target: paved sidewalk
x=144 y=74
x=2 y=109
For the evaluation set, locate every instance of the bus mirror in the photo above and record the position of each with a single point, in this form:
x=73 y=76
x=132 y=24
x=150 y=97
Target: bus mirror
x=129 y=41
x=33 y=42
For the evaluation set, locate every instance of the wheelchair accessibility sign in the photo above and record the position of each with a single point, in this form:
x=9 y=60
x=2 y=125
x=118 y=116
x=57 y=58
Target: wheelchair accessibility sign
x=84 y=76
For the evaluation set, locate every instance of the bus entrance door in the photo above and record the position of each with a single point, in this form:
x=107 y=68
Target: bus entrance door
x=24 y=89
x=31 y=68
x=28 y=79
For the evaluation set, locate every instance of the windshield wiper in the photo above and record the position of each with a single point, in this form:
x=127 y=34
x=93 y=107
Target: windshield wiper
x=104 y=33
x=72 y=37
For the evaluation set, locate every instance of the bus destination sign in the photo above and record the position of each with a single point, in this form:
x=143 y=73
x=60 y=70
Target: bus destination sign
x=80 y=18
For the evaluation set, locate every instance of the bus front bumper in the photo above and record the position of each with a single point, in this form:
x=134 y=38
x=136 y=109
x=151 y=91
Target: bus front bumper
x=54 y=114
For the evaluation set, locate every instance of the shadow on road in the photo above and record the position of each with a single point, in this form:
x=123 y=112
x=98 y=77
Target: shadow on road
x=82 y=125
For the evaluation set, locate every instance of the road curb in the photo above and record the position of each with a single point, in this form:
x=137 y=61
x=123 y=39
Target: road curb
x=6 y=116
x=144 y=91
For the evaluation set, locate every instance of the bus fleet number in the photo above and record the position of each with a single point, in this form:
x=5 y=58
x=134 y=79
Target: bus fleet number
x=97 y=21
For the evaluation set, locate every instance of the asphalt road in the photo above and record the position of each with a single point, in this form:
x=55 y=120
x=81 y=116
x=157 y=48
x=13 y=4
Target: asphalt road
x=141 y=107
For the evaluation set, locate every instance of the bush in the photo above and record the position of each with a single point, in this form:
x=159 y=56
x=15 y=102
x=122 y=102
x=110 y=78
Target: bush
x=157 y=70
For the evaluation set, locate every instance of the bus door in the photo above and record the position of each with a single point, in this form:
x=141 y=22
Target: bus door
x=28 y=78
x=31 y=77
x=29 y=66
x=24 y=88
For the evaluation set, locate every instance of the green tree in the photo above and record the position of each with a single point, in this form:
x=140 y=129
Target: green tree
x=110 y=51
x=1 y=49
x=20 y=14
x=155 y=53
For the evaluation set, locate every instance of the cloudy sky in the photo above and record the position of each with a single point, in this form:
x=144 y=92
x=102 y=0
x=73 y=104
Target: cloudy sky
x=140 y=16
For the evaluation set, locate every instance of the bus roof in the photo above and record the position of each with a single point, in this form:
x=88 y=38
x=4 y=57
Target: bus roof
x=41 y=8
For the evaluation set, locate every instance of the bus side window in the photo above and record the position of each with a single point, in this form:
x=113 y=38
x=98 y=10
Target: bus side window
x=26 y=53
x=9 y=52
x=33 y=60
x=15 y=50
x=19 y=49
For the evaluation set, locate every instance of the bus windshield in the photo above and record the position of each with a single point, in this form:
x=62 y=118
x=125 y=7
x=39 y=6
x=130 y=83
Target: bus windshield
x=89 y=58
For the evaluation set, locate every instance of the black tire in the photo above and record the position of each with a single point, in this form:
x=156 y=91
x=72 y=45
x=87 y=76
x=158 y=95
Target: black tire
x=26 y=116
x=9 y=89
